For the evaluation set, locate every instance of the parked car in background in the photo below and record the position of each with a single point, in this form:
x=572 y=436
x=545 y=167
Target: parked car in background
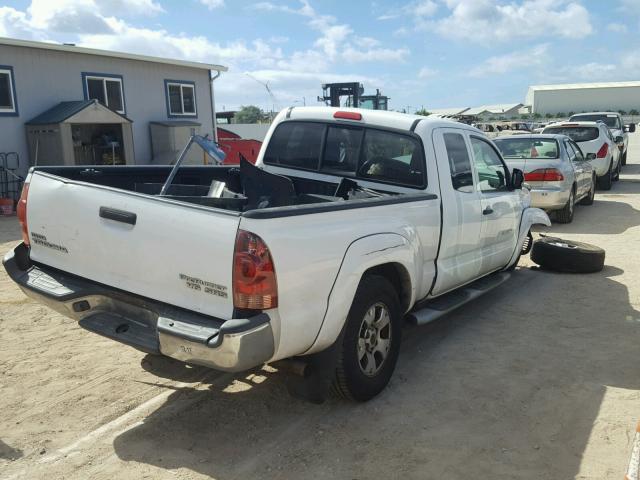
x=613 y=121
x=598 y=146
x=489 y=129
x=556 y=170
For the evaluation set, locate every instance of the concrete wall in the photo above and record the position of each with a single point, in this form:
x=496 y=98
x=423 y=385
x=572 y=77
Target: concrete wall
x=585 y=100
x=43 y=78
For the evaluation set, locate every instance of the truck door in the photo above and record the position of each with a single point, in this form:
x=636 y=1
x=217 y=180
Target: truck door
x=459 y=258
x=500 y=207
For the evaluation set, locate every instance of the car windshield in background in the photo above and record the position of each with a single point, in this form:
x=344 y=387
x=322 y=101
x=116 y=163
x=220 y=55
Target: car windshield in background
x=577 y=134
x=528 y=148
x=610 y=121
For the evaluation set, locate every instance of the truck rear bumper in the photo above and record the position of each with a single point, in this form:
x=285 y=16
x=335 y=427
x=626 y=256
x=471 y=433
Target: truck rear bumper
x=229 y=345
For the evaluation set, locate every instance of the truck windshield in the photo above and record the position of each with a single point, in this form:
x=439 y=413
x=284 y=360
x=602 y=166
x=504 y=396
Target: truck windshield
x=577 y=134
x=536 y=148
x=610 y=120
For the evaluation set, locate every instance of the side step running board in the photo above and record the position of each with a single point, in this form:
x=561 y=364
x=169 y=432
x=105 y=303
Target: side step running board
x=430 y=310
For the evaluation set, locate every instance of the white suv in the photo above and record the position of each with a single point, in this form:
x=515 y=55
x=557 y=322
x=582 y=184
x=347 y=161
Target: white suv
x=597 y=144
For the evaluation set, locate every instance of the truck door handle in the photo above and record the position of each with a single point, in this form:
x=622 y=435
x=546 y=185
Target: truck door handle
x=118 y=215
x=487 y=211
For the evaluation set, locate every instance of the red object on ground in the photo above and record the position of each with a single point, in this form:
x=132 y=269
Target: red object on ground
x=6 y=206
x=234 y=146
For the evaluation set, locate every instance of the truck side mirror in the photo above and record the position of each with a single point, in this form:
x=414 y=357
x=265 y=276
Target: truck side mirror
x=618 y=139
x=591 y=156
x=630 y=128
x=517 y=179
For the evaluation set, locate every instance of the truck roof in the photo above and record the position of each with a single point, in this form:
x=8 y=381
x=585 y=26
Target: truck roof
x=382 y=118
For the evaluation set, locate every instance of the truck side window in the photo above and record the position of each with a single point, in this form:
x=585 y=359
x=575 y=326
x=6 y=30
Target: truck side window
x=342 y=150
x=392 y=157
x=459 y=163
x=492 y=174
x=296 y=144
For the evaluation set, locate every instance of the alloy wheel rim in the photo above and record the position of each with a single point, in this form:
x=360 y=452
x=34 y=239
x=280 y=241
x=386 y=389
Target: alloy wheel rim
x=374 y=339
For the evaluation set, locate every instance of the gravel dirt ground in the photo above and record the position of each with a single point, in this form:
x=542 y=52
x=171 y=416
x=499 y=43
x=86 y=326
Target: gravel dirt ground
x=538 y=379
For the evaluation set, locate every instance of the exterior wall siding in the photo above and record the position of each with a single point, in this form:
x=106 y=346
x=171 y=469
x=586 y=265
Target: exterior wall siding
x=585 y=100
x=43 y=78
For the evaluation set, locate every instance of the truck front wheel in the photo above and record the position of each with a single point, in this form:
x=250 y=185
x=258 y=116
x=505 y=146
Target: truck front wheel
x=371 y=341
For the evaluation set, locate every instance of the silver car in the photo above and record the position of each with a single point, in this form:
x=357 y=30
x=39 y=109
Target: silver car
x=555 y=168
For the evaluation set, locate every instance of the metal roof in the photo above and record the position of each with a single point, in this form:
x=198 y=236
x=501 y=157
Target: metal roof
x=576 y=86
x=500 y=108
x=106 y=53
x=447 y=111
x=63 y=111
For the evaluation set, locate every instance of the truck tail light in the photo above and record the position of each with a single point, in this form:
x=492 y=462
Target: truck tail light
x=544 y=175
x=21 y=211
x=604 y=149
x=254 y=275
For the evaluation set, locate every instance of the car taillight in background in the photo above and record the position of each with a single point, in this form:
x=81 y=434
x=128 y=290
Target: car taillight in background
x=21 y=211
x=544 y=175
x=604 y=149
x=254 y=275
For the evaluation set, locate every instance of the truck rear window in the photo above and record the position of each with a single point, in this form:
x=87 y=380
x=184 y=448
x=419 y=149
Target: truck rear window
x=577 y=134
x=349 y=151
x=295 y=144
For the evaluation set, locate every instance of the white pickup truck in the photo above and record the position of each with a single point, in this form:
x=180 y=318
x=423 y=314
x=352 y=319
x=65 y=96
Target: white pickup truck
x=351 y=222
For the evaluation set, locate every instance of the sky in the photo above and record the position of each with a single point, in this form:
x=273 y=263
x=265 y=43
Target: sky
x=422 y=53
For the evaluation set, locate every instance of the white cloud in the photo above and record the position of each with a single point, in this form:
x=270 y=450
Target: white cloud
x=629 y=6
x=77 y=16
x=416 y=10
x=617 y=27
x=426 y=72
x=520 y=59
x=487 y=21
x=212 y=4
x=594 y=71
x=337 y=40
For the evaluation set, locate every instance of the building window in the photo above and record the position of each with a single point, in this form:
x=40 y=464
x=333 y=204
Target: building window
x=107 y=89
x=8 y=104
x=181 y=98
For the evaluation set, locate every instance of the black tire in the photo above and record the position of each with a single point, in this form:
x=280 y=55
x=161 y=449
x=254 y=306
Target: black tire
x=606 y=180
x=624 y=158
x=350 y=380
x=566 y=214
x=588 y=200
x=616 y=175
x=553 y=253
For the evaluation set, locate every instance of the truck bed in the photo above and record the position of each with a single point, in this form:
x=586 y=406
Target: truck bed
x=245 y=193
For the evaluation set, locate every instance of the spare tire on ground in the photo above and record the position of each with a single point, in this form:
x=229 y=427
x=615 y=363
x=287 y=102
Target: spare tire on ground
x=561 y=255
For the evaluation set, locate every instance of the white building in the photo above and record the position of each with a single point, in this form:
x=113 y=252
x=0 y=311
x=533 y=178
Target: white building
x=584 y=97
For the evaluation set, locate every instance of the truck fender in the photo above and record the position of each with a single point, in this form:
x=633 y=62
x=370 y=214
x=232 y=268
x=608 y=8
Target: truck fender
x=363 y=254
x=530 y=216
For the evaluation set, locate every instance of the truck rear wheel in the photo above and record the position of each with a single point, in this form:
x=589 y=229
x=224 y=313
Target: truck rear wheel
x=606 y=180
x=371 y=341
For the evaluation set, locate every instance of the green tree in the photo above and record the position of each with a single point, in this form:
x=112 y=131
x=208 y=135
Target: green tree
x=424 y=112
x=634 y=112
x=622 y=112
x=249 y=114
x=571 y=114
x=547 y=115
x=560 y=115
x=537 y=115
